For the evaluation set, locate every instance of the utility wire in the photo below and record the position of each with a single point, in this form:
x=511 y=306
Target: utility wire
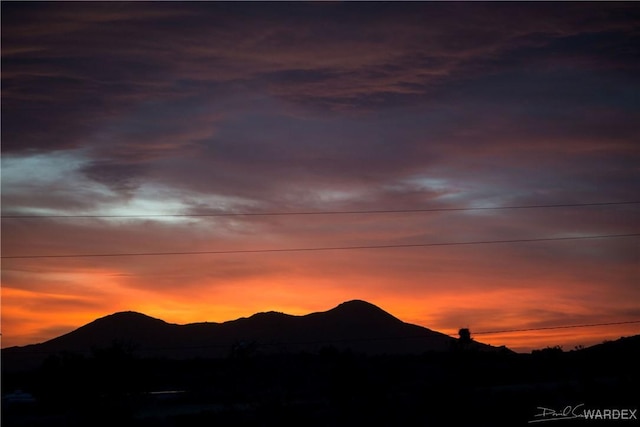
x=362 y=212
x=555 y=327
x=334 y=248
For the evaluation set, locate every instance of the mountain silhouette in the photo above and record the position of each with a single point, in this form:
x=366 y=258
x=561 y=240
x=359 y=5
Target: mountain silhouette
x=356 y=325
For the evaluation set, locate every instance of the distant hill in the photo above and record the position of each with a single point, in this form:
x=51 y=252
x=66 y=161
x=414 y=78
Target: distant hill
x=622 y=347
x=356 y=325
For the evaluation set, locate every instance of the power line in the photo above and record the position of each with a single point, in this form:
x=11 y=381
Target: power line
x=555 y=327
x=361 y=212
x=334 y=248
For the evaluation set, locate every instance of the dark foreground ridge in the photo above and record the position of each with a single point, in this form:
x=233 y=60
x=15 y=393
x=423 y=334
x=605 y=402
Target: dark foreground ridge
x=333 y=368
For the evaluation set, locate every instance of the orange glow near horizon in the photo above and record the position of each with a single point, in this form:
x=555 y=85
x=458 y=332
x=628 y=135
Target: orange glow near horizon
x=32 y=316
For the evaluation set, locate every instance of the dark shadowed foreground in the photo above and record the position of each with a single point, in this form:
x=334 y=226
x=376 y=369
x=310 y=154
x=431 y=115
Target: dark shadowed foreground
x=327 y=380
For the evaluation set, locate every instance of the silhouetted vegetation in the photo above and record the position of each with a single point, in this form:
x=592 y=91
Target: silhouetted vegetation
x=266 y=371
x=331 y=387
x=465 y=335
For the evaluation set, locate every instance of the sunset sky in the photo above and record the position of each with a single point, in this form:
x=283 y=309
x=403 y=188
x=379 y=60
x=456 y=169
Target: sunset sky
x=142 y=109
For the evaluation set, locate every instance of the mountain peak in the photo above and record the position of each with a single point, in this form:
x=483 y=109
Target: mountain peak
x=123 y=322
x=268 y=316
x=127 y=313
x=361 y=310
x=359 y=306
x=128 y=316
x=358 y=303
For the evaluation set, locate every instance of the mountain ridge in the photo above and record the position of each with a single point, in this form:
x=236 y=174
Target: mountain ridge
x=356 y=325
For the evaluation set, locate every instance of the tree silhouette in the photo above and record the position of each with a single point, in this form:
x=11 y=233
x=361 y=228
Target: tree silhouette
x=465 y=336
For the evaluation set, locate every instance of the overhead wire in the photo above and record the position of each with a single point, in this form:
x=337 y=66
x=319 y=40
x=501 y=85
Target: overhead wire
x=318 y=249
x=555 y=327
